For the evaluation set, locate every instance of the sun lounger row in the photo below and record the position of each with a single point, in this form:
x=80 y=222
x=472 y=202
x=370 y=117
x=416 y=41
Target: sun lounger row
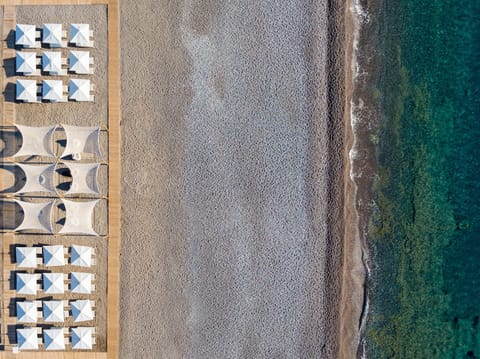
x=78 y=90
x=80 y=338
x=54 y=283
x=52 y=63
x=55 y=311
x=54 y=256
x=53 y=35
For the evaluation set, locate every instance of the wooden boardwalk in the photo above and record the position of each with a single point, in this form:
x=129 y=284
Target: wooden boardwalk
x=114 y=183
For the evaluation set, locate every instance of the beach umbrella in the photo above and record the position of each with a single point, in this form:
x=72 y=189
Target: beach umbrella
x=26 y=62
x=81 y=256
x=52 y=90
x=52 y=35
x=26 y=257
x=79 y=62
x=81 y=282
x=80 y=35
x=26 y=312
x=26 y=90
x=25 y=35
x=27 y=339
x=26 y=283
x=54 y=255
x=82 y=338
x=79 y=90
x=52 y=62
x=54 y=339
x=53 y=311
x=53 y=283
x=81 y=311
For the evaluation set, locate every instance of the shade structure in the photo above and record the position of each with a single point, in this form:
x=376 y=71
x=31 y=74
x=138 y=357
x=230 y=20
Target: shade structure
x=36 y=216
x=52 y=90
x=82 y=338
x=78 y=218
x=79 y=62
x=81 y=282
x=84 y=178
x=27 y=312
x=54 y=339
x=38 y=178
x=54 y=255
x=26 y=62
x=25 y=35
x=53 y=283
x=52 y=62
x=26 y=90
x=79 y=90
x=53 y=311
x=82 y=311
x=36 y=141
x=26 y=257
x=26 y=283
x=80 y=35
x=52 y=35
x=27 y=339
x=82 y=140
x=81 y=256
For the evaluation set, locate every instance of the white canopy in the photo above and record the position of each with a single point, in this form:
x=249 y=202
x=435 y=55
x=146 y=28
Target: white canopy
x=26 y=257
x=36 y=141
x=52 y=90
x=79 y=62
x=52 y=62
x=82 y=140
x=26 y=90
x=27 y=283
x=25 y=35
x=78 y=218
x=54 y=255
x=26 y=62
x=54 y=339
x=52 y=35
x=82 y=338
x=27 y=339
x=84 y=178
x=81 y=282
x=53 y=311
x=53 y=283
x=26 y=312
x=80 y=35
x=81 y=256
x=79 y=90
x=36 y=216
x=82 y=311
x=38 y=178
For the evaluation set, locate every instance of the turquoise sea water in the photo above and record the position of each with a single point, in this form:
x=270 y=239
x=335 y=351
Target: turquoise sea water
x=425 y=231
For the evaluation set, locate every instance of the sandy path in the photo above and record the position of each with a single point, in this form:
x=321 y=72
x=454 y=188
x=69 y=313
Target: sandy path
x=227 y=192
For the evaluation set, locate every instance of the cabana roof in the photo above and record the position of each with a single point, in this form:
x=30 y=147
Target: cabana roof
x=38 y=178
x=53 y=283
x=26 y=283
x=54 y=339
x=26 y=62
x=27 y=339
x=27 y=312
x=25 y=35
x=36 y=216
x=54 y=255
x=82 y=140
x=82 y=338
x=26 y=257
x=81 y=282
x=84 y=178
x=78 y=218
x=81 y=256
x=82 y=311
x=26 y=90
x=36 y=141
x=53 y=311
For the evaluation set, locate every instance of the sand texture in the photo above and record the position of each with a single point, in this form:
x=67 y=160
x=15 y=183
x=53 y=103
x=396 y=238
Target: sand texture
x=233 y=163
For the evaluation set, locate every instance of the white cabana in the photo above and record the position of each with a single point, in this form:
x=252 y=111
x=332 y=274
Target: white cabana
x=79 y=62
x=36 y=141
x=79 y=90
x=27 y=338
x=25 y=35
x=26 y=63
x=36 y=216
x=27 y=312
x=52 y=90
x=53 y=311
x=52 y=63
x=26 y=283
x=52 y=35
x=82 y=311
x=78 y=217
x=82 y=338
x=53 y=283
x=54 y=255
x=26 y=90
x=26 y=257
x=38 y=178
x=80 y=35
x=84 y=178
x=81 y=282
x=54 y=339
x=81 y=256
x=82 y=140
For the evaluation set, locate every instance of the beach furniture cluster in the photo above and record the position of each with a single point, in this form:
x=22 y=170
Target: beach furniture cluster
x=52 y=63
x=54 y=309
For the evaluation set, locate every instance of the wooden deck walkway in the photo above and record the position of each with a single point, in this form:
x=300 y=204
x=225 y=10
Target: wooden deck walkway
x=114 y=183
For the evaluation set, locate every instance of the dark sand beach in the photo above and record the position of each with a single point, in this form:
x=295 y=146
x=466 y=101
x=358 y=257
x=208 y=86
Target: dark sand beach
x=233 y=179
